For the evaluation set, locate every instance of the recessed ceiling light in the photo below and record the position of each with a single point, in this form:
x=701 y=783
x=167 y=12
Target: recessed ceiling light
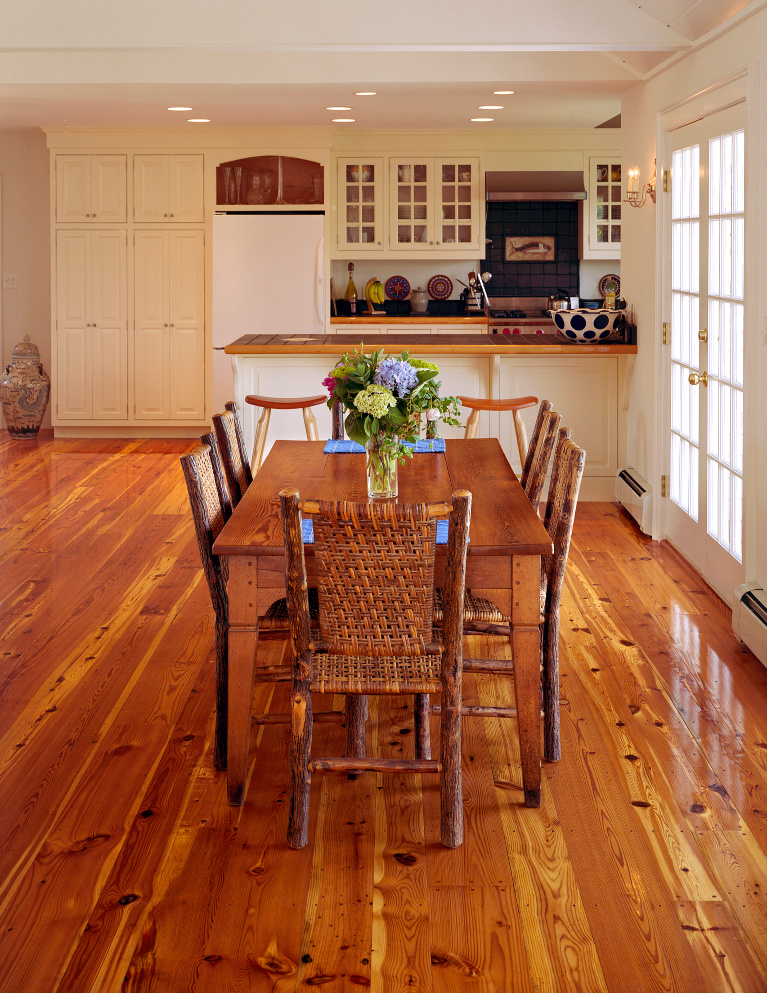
x=343 y=120
x=481 y=119
x=338 y=108
x=198 y=120
x=491 y=106
x=178 y=108
x=363 y=93
x=502 y=93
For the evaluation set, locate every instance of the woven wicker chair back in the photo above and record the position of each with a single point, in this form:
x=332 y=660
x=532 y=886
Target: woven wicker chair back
x=543 y=409
x=560 y=514
x=541 y=447
x=218 y=472
x=232 y=407
x=208 y=515
x=375 y=578
x=236 y=468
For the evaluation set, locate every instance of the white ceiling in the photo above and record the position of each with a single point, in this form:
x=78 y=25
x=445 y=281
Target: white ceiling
x=431 y=64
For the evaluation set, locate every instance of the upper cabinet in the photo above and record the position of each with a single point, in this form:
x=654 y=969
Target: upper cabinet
x=270 y=180
x=168 y=188
x=603 y=209
x=434 y=206
x=360 y=205
x=91 y=188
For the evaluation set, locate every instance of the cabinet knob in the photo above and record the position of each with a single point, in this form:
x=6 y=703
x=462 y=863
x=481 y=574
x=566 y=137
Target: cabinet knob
x=173 y=325
x=164 y=215
x=171 y=215
x=165 y=325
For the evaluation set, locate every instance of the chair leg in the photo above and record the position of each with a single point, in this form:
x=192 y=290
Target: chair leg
x=552 y=749
x=310 y=422
x=421 y=722
x=451 y=786
x=472 y=424
x=519 y=428
x=222 y=690
x=300 y=777
x=260 y=440
x=356 y=713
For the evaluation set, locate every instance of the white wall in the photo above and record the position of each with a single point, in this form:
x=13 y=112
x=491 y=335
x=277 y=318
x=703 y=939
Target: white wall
x=25 y=244
x=644 y=110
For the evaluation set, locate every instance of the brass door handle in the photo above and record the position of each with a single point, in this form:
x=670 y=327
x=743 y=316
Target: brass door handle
x=693 y=379
x=703 y=334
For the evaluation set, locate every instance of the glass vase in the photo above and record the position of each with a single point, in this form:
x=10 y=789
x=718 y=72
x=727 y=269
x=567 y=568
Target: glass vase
x=381 y=459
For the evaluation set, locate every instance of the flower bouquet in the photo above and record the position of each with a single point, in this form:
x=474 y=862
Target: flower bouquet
x=385 y=400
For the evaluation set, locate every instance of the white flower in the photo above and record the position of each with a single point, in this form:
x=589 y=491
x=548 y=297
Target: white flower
x=432 y=414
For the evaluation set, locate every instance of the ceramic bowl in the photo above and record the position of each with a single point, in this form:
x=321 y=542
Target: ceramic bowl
x=586 y=325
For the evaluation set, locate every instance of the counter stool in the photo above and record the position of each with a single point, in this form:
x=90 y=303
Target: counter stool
x=514 y=403
x=267 y=405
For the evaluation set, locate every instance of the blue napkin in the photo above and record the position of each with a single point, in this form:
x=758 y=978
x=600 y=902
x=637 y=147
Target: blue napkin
x=336 y=447
x=307 y=526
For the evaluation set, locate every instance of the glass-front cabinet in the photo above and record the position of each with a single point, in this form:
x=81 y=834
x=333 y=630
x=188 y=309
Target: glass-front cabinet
x=434 y=204
x=360 y=205
x=602 y=233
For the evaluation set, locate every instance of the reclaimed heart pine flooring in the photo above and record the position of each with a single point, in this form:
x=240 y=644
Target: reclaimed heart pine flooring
x=124 y=870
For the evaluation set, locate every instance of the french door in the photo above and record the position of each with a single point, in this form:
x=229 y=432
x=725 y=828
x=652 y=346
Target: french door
x=705 y=375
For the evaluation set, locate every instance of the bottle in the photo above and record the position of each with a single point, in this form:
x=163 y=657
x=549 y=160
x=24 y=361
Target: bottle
x=351 y=291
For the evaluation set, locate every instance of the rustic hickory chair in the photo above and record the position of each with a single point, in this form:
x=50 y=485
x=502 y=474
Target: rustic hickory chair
x=482 y=615
x=233 y=455
x=375 y=580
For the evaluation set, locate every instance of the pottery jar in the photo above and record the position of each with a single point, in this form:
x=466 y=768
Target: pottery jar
x=25 y=389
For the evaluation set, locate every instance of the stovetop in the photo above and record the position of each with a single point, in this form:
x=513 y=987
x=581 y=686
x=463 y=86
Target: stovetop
x=517 y=314
x=519 y=308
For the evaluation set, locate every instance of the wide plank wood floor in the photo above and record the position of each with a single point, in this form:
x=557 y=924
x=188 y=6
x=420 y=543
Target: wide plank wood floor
x=122 y=868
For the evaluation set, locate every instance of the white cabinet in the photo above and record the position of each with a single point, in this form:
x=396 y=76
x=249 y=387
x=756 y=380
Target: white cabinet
x=91 y=325
x=434 y=206
x=91 y=188
x=360 y=205
x=168 y=188
x=603 y=208
x=169 y=347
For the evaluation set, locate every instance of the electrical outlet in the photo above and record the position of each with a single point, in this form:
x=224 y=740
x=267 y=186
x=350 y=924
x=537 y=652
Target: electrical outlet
x=10 y=281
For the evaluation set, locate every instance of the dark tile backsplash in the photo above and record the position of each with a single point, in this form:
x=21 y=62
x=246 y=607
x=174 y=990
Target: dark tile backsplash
x=520 y=279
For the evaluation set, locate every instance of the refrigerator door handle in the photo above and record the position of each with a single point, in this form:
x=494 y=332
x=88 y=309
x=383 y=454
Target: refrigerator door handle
x=319 y=296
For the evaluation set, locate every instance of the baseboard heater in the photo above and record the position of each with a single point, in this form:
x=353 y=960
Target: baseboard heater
x=749 y=619
x=635 y=494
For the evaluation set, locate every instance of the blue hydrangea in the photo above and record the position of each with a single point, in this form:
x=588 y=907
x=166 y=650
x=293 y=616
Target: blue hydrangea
x=398 y=376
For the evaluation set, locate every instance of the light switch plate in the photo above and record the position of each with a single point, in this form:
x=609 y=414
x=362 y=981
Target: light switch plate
x=10 y=281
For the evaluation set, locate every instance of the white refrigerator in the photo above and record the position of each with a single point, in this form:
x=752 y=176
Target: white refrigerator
x=268 y=278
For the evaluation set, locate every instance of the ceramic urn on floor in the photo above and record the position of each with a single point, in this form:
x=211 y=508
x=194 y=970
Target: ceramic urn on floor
x=25 y=389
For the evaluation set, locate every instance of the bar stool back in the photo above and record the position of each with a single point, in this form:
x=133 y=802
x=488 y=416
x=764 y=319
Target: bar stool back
x=267 y=405
x=515 y=404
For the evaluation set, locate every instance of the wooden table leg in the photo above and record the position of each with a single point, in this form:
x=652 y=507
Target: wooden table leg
x=243 y=640
x=526 y=650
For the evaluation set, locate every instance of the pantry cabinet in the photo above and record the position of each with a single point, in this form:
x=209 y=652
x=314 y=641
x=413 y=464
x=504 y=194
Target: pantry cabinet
x=91 y=188
x=168 y=188
x=603 y=208
x=169 y=347
x=91 y=325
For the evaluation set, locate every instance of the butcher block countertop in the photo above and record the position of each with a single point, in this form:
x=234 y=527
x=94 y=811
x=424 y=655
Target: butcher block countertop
x=426 y=344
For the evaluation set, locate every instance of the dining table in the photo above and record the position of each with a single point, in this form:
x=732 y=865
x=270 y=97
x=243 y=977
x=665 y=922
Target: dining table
x=506 y=542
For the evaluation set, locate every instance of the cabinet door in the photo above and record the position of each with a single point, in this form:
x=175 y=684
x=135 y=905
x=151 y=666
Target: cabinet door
x=109 y=188
x=186 y=346
x=360 y=206
x=150 y=187
x=151 y=325
x=185 y=186
x=456 y=205
x=74 y=373
x=410 y=221
x=604 y=208
x=73 y=187
x=109 y=324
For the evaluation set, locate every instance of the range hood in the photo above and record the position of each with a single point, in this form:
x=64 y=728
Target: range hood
x=546 y=185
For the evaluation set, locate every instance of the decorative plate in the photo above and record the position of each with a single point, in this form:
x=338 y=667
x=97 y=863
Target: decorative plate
x=606 y=279
x=439 y=287
x=397 y=287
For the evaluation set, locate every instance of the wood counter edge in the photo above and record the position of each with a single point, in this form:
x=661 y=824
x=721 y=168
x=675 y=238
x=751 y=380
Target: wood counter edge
x=416 y=344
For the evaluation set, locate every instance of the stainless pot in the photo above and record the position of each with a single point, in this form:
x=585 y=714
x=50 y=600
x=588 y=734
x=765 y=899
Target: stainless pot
x=559 y=301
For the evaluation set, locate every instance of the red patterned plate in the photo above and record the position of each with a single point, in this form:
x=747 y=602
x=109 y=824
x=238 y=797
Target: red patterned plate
x=439 y=287
x=397 y=287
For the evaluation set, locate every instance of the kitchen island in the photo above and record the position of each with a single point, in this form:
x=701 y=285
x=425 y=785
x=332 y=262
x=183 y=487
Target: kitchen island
x=587 y=383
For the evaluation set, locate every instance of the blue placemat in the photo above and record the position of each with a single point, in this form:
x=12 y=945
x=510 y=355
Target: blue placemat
x=307 y=526
x=336 y=447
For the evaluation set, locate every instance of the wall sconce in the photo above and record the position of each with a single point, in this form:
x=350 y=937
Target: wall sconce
x=636 y=196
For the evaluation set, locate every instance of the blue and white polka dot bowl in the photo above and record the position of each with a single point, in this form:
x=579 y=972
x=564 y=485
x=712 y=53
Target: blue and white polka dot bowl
x=586 y=325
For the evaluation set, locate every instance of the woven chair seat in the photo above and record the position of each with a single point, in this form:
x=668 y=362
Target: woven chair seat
x=366 y=674
x=477 y=608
